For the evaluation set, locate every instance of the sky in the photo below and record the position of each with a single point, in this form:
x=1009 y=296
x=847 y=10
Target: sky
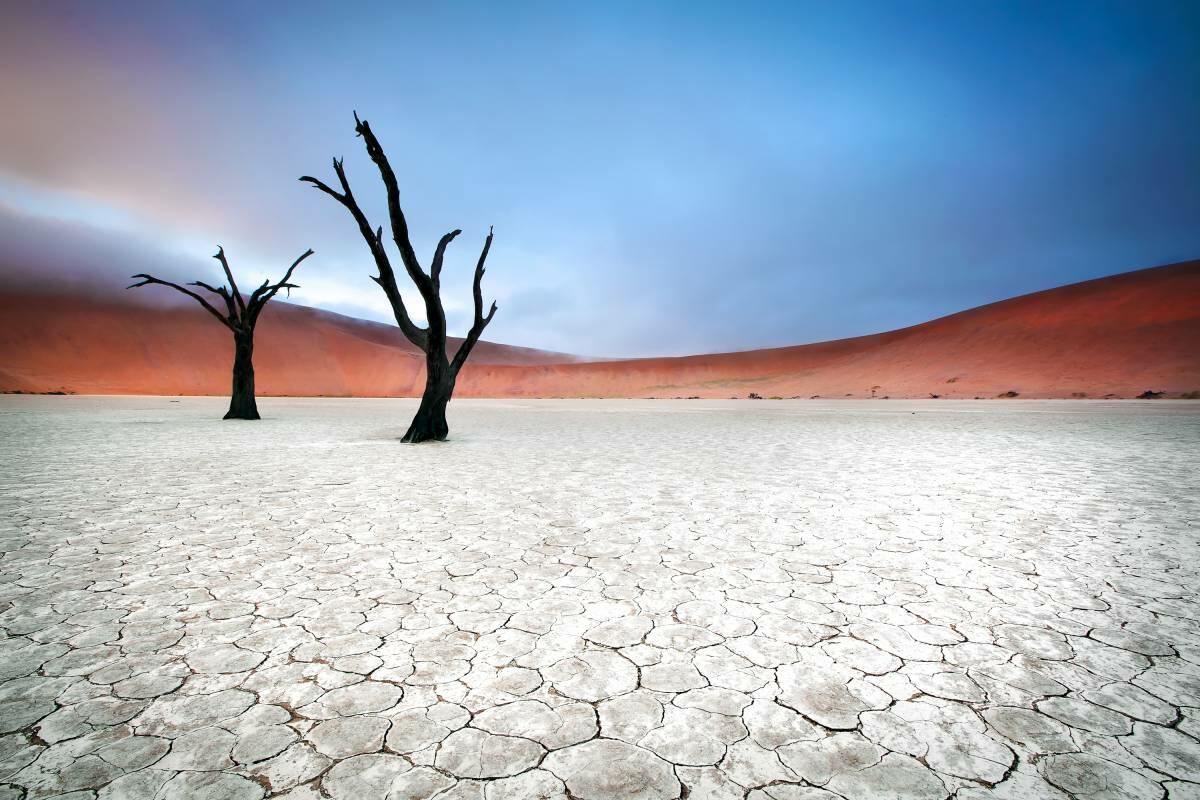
x=663 y=178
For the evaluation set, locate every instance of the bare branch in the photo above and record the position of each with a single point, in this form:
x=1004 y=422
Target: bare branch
x=324 y=187
x=395 y=213
x=150 y=279
x=477 y=288
x=263 y=294
x=220 y=256
x=435 y=268
x=339 y=167
x=374 y=238
x=223 y=293
x=481 y=321
x=287 y=275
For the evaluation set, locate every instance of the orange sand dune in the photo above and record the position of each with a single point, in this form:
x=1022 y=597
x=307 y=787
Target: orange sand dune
x=1115 y=336
x=114 y=345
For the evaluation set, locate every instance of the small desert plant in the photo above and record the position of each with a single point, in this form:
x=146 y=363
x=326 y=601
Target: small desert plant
x=1009 y=393
x=952 y=380
x=754 y=396
x=1150 y=394
x=1192 y=395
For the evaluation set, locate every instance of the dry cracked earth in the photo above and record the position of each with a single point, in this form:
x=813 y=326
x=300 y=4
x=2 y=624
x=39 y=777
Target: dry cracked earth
x=577 y=599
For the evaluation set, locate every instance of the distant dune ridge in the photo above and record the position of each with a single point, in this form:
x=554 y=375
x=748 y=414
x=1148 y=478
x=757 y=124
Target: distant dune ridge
x=1116 y=336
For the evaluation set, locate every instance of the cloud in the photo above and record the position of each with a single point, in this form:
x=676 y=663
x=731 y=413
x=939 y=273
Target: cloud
x=46 y=254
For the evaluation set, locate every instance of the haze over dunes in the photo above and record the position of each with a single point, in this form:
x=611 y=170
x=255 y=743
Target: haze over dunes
x=1120 y=335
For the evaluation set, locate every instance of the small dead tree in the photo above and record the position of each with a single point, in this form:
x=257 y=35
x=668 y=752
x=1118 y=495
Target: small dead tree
x=441 y=372
x=241 y=315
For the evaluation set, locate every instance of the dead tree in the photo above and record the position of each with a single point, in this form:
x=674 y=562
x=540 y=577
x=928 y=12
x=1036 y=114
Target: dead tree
x=241 y=315
x=441 y=372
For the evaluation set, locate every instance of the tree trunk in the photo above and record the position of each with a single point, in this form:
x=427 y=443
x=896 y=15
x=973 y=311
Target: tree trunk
x=430 y=422
x=241 y=400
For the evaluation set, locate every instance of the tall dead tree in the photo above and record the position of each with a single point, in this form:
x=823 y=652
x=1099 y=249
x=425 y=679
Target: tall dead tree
x=241 y=315
x=441 y=371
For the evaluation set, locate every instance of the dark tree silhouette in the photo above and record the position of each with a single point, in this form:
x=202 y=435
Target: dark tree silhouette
x=440 y=371
x=241 y=316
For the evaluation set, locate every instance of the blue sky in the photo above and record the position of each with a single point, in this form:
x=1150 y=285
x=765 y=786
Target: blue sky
x=664 y=178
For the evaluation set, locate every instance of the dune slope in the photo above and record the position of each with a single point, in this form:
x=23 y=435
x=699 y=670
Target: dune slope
x=1115 y=336
x=90 y=345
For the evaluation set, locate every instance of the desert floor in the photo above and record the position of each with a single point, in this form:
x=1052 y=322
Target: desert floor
x=600 y=599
